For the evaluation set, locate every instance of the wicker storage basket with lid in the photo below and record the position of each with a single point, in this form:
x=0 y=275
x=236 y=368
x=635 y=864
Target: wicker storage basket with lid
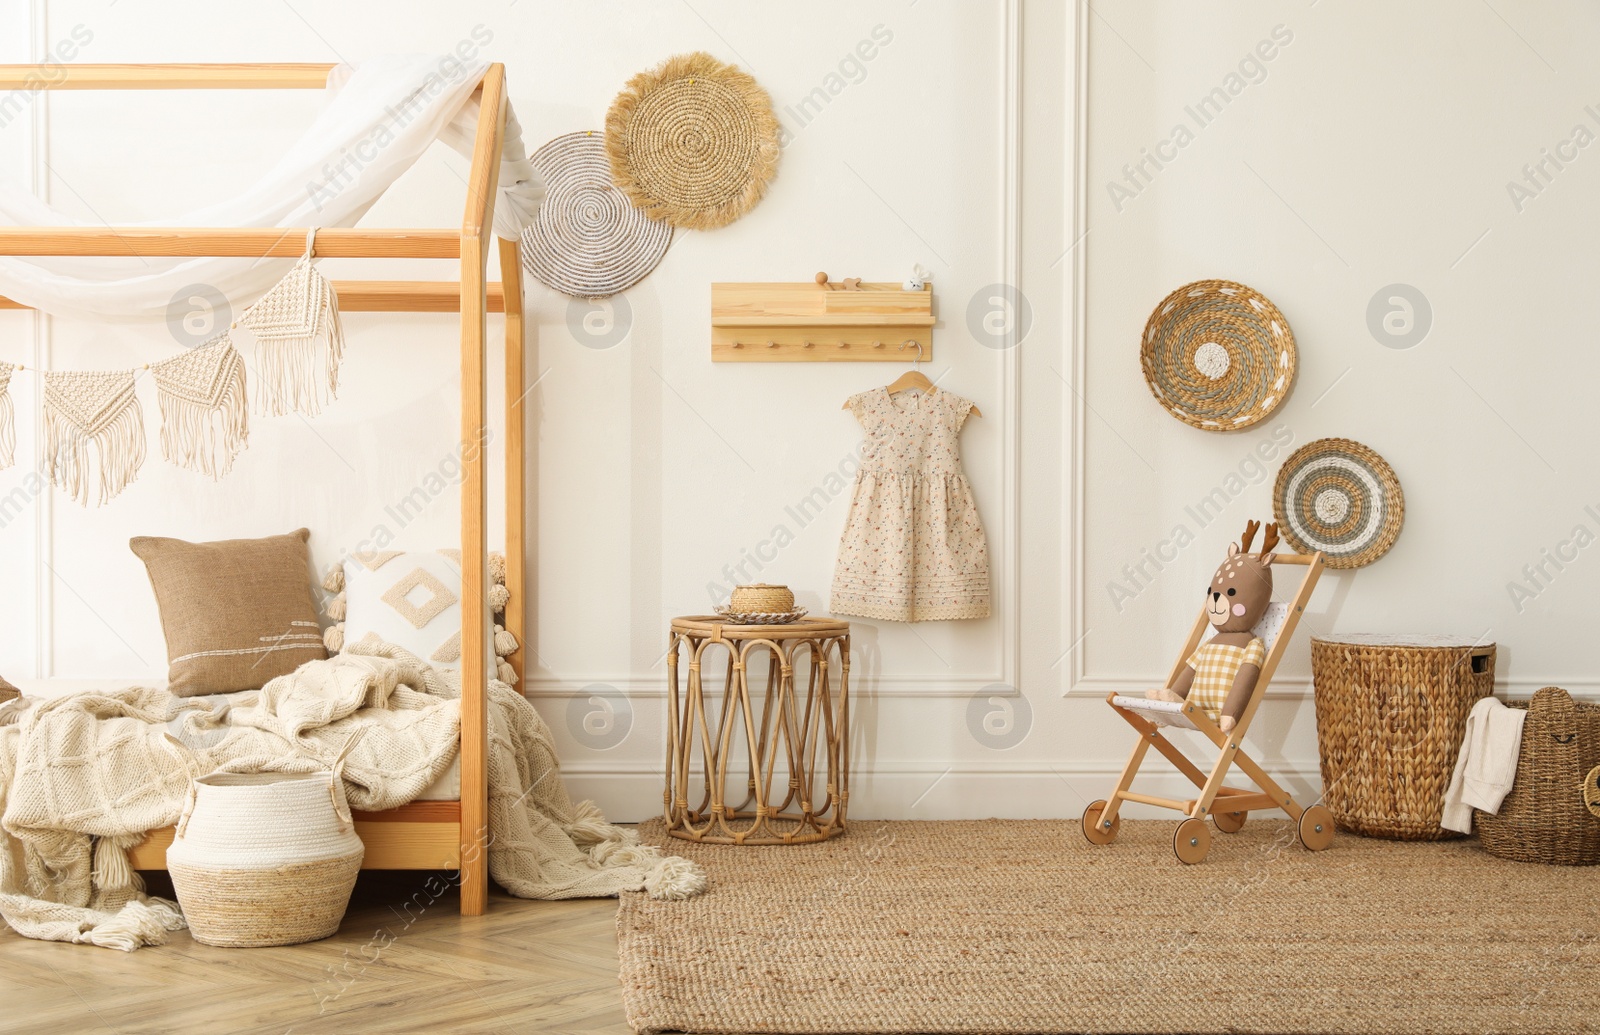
x=266 y=858
x=1544 y=819
x=1391 y=714
x=761 y=598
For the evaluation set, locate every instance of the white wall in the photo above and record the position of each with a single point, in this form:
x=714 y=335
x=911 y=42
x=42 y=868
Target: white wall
x=1376 y=150
x=1373 y=148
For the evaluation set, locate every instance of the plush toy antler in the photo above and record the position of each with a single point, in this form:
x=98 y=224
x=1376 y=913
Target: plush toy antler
x=1250 y=534
x=1268 y=541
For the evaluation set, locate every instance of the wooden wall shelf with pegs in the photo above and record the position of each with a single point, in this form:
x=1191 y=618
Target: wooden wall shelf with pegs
x=814 y=323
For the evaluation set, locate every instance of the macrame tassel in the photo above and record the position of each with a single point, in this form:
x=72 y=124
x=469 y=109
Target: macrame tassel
x=204 y=419
x=92 y=407
x=299 y=340
x=8 y=417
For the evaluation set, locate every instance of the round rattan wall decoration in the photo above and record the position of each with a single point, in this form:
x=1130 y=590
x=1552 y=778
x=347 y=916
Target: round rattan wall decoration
x=1218 y=355
x=1339 y=497
x=587 y=239
x=693 y=141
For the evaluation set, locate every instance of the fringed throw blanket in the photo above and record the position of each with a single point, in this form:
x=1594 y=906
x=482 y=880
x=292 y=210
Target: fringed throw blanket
x=204 y=419
x=92 y=408
x=83 y=778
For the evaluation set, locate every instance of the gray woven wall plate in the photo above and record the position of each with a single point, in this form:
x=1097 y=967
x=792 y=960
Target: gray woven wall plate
x=587 y=239
x=1340 y=497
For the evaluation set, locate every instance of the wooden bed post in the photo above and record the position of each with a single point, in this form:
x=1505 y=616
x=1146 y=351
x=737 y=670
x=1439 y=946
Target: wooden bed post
x=477 y=645
x=423 y=835
x=516 y=458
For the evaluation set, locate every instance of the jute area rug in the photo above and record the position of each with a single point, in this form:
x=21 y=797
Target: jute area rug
x=1022 y=926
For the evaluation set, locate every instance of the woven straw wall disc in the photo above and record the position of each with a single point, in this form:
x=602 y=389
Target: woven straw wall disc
x=1218 y=355
x=693 y=141
x=587 y=239
x=1339 y=497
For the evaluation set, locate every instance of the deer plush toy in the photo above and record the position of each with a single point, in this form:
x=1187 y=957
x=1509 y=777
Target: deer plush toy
x=1221 y=674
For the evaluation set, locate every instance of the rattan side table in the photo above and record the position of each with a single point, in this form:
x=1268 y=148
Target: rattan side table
x=793 y=726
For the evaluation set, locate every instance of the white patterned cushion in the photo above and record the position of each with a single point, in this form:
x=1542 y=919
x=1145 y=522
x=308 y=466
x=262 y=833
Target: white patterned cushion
x=411 y=600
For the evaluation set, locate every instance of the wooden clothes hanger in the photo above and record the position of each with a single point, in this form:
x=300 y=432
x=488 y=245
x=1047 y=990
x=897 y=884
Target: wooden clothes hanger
x=914 y=380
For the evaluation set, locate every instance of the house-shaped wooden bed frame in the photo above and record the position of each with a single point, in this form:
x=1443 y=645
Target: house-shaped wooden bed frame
x=423 y=835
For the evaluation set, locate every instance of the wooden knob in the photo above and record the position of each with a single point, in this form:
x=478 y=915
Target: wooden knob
x=822 y=278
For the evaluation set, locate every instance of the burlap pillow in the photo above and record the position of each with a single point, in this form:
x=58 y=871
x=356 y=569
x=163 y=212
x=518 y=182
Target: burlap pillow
x=236 y=613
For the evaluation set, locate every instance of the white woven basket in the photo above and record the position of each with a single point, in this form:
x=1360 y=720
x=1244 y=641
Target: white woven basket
x=266 y=858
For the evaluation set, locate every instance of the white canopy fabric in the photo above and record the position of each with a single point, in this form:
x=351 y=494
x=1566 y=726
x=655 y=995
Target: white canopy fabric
x=380 y=117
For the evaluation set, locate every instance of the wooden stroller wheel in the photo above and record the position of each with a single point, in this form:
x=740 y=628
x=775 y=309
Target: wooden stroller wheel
x=1229 y=822
x=1316 y=828
x=1191 y=841
x=1095 y=829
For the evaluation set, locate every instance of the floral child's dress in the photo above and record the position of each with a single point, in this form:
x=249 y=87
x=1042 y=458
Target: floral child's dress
x=913 y=549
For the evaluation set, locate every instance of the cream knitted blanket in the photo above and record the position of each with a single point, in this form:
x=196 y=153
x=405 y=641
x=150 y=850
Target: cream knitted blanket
x=84 y=778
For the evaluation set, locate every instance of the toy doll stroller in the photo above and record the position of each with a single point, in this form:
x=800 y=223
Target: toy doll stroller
x=1227 y=806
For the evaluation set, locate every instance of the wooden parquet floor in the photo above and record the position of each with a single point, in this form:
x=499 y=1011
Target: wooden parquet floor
x=392 y=968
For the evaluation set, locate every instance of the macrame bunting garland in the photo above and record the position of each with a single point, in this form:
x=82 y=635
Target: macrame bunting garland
x=205 y=421
x=299 y=340
x=205 y=413
x=92 y=407
x=8 y=432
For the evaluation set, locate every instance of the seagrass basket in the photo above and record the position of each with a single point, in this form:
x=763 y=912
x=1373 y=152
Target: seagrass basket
x=265 y=858
x=761 y=598
x=1391 y=714
x=1544 y=819
x=8 y=692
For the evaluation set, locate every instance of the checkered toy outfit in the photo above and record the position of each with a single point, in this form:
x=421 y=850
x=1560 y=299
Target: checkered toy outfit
x=1215 y=664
